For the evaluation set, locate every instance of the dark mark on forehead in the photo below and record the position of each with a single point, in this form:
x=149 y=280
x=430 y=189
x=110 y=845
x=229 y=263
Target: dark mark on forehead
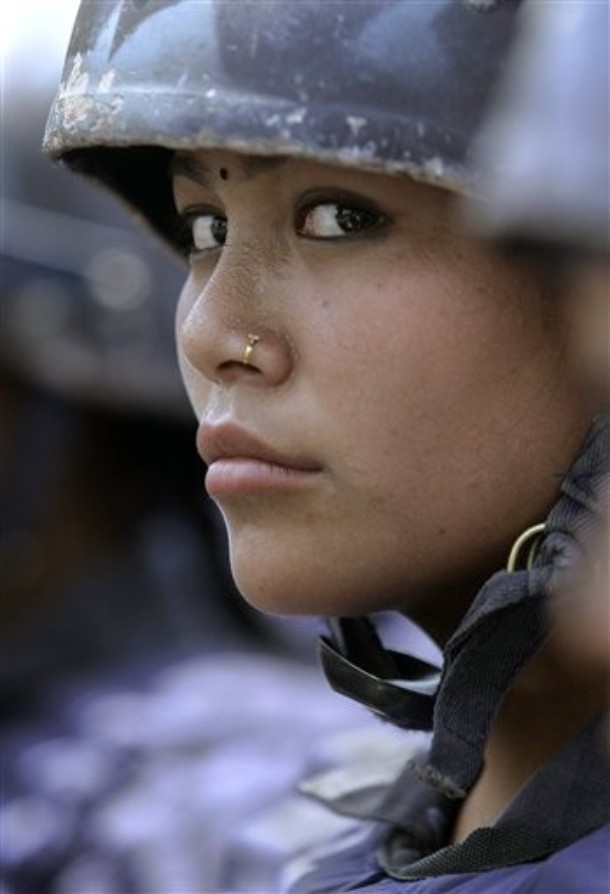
x=187 y=164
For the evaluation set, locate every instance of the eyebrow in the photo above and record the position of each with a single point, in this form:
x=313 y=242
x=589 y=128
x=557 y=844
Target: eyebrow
x=187 y=165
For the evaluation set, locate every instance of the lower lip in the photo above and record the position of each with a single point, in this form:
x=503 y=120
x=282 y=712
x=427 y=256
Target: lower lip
x=240 y=476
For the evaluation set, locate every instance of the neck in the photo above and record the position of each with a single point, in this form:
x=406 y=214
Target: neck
x=549 y=703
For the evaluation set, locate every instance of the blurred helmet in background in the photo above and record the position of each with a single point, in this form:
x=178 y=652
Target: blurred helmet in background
x=546 y=146
x=87 y=304
x=545 y=157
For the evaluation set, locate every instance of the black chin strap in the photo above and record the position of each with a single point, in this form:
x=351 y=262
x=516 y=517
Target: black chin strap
x=397 y=687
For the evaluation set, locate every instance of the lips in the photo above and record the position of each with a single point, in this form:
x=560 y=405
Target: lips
x=238 y=462
x=228 y=441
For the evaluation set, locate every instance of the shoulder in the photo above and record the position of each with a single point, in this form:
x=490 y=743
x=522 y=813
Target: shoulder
x=584 y=866
x=581 y=867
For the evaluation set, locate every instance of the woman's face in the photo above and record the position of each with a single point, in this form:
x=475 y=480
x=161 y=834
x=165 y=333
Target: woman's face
x=405 y=409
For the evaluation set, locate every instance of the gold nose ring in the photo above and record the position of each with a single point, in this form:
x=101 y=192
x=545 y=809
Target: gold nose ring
x=251 y=342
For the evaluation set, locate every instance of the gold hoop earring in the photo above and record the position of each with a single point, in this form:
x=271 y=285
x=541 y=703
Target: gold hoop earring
x=533 y=536
x=246 y=357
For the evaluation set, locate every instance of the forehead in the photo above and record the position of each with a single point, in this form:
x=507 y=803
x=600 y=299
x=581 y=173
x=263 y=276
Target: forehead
x=205 y=165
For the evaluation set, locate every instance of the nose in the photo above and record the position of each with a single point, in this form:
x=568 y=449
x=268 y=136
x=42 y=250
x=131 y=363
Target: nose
x=231 y=329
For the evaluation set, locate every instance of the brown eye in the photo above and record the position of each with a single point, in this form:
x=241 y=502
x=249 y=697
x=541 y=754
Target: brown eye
x=332 y=220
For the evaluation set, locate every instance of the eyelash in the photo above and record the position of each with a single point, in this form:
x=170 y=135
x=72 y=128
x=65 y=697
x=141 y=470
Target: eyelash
x=352 y=220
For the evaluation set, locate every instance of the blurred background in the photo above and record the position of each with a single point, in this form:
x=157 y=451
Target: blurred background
x=153 y=728
x=140 y=699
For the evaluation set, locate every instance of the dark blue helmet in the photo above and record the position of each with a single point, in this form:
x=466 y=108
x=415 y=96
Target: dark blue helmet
x=380 y=84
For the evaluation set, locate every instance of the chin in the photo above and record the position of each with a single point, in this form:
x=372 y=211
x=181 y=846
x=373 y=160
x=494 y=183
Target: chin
x=300 y=586
x=276 y=590
x=272 y=572
x=306 y=569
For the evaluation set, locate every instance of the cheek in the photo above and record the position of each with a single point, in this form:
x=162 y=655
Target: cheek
x=382 y=388
x=413 y=377
x=386 y=346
